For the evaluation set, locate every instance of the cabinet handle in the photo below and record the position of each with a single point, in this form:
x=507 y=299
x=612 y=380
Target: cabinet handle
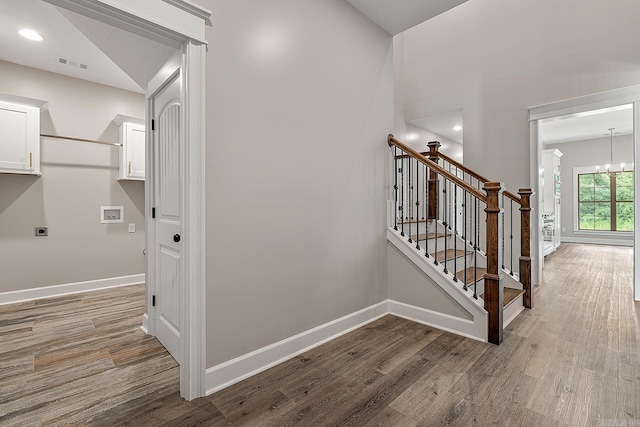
x=129 y=168
x=31 y=159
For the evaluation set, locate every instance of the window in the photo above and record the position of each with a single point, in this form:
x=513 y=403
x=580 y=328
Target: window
x=605 y=201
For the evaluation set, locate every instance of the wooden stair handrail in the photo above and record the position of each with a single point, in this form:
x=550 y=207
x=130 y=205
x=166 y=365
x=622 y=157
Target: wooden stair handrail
x=477 y=176
x=436 y=167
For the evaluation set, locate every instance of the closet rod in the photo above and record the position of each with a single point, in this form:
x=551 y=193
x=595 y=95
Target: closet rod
x=93 y=141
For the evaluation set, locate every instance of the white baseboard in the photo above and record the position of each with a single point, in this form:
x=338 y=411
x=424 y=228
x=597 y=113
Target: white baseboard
x=245 y=366
x=145 y=323
x=69 y=288
x=445 y=322
x=596 y=241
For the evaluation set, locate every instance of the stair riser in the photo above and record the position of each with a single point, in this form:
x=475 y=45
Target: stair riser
x=421 y=228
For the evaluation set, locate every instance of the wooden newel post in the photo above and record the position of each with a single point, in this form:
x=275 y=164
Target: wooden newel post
x=493 y=286
x=434 y=194
x=525 y=245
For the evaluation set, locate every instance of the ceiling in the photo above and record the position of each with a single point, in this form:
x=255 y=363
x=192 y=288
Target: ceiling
x=63 y=39
x=396 y=16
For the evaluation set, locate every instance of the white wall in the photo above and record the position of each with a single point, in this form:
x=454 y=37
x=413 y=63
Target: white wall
x=593 y=152
x=494 y=59
x=299 y=104
x=77 y=178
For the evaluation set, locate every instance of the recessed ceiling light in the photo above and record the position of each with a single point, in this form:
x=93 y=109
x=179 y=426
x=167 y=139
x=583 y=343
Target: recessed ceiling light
x=457 y=128
x=31 y=34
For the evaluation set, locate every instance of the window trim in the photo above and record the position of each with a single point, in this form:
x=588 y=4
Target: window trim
x=581 y=170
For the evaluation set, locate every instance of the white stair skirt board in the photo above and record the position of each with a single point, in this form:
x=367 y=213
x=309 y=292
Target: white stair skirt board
x=233 y=371
x=69 y=288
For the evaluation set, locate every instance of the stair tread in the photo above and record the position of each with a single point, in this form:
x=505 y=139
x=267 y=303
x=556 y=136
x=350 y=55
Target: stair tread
x=423 y=236
x=509 y=294
x=450 y=254
x=412 y=220
x=470 y=276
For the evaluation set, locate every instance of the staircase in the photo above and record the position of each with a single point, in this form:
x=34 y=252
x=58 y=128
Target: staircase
x=459 y=229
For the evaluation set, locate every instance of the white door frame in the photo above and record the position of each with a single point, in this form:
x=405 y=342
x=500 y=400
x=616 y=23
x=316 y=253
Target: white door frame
x=612 y=98
x=180 y=24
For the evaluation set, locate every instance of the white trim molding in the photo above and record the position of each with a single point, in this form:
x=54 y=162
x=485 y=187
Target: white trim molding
x=171 y=23
x=247 y=365
x=611 y=98
x=69 y=288
x=592 y=241
x=235 y=370
x=194 y=179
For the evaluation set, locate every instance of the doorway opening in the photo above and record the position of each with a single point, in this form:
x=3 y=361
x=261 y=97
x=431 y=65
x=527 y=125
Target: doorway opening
x=583 y=154
x=178 y=25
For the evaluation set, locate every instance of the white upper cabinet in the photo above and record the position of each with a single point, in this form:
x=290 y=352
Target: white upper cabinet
x=20 y=134
x=132 y=153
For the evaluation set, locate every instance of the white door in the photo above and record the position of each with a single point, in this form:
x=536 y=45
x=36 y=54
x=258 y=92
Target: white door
x=168 y=216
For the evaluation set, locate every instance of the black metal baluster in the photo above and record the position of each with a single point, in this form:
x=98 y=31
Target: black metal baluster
x=445 y=221
x=410 y=205
x=395 y=185
x=464 y=225
x=435 y=224
x=511 y=237
x=417 y=184
x=402 y=215
x=475 y=254
x=455 y=233
x=426 y=213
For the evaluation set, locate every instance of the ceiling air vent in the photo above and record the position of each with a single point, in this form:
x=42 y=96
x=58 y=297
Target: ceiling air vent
x=71 y=63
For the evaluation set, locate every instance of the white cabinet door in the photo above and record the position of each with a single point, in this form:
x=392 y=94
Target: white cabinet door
x=132 y=154
x=134 y=147
x=19 y=138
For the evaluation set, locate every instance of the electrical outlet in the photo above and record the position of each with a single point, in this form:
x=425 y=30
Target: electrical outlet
x=132 y=228
x=42 y=231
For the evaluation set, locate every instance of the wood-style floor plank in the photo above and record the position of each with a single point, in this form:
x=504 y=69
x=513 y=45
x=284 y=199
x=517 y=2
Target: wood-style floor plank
x=572 y=361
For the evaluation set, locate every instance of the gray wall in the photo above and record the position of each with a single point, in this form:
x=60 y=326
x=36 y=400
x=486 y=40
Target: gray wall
x=299 y=104
x=408 y=284
x=588 y=153
x=77 y=179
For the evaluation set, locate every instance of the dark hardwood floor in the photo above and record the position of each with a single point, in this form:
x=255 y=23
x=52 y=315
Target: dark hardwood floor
x=572 y=361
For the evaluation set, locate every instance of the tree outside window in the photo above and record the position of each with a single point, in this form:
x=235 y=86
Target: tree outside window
x=605 y=201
